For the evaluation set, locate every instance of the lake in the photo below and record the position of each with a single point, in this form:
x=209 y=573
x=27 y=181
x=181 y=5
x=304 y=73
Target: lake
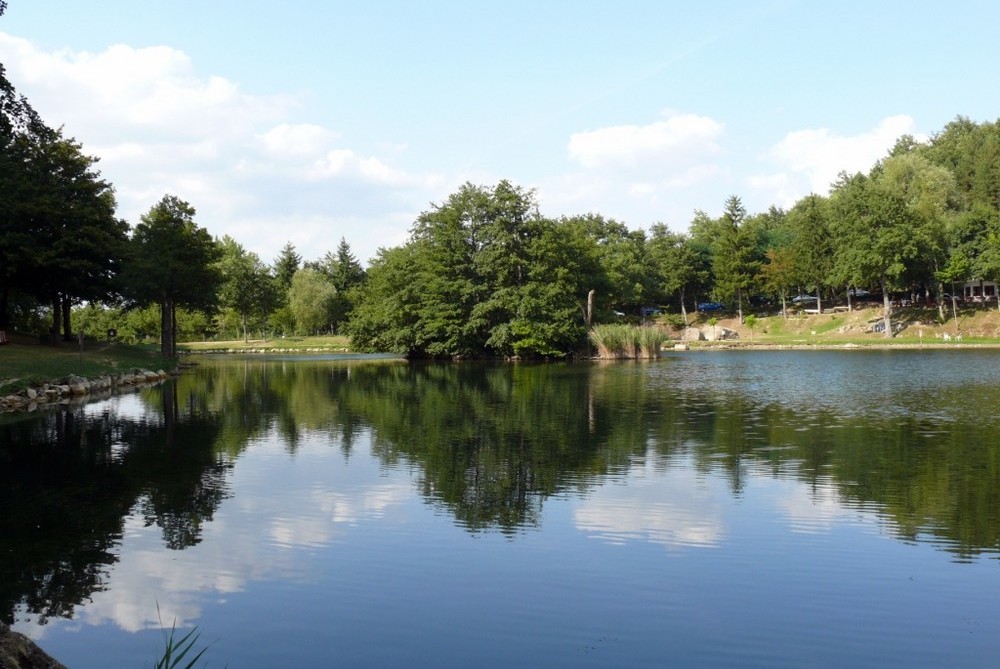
x=706 y=509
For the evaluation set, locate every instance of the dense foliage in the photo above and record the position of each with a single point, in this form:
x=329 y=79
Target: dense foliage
x=482 y=274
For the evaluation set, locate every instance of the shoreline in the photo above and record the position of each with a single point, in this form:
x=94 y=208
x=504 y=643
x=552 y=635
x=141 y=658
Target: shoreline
x=73 y=390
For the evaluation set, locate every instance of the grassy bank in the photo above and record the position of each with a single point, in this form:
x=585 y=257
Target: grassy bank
x=24 y=362
x=332 y=343
x=920 y=327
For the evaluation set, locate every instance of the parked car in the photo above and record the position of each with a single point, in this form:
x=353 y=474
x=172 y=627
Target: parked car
x=710 y=306
x=803 y=299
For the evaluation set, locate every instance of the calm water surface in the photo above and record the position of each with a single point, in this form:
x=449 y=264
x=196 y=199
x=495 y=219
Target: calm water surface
x=771 y=509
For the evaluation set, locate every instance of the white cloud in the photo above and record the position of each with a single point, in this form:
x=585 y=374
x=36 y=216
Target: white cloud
x=627 y=171
x=677 y=140
x=250 y=170
x=819 y=155
x=303 y=139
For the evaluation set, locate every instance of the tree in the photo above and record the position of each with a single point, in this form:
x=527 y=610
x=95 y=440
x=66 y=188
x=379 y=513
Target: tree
x=172 y=262
x=21 y=134
x=931 y=194
x=286 y=265
x=81 y=242
x=386 y=319
x=733 y=258
x=676 y=262
x=311 y=300
x=248 y=288
x=482 y=274
x=347 y=271
x=812 y=244
x=347 y=275
x=624 y=277
x=874 y=234
x=779 y=273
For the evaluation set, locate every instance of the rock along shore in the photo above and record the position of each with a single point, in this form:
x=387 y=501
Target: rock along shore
x=19 y=652
x=79 y=389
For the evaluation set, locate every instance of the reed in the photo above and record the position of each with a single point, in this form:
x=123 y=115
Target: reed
x=178 y=649
x=614 y=341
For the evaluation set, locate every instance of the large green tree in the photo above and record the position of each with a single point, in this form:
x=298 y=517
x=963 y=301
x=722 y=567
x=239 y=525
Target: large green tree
x=286 y=265
x=733 y=259
x=81 y=241
x=172 y=262
x=311 y=300
x=346 y=274
x=677 y=263
x=874 y=236
x=812 y=244
x=249 y=289
x=21 y=134
x=482 y=275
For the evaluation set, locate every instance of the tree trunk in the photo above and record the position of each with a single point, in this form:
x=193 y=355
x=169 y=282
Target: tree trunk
x=739 y=304
x=590 y=307
x=819 y=301
x=684 y=312
x=67 y=326
x=784 y=305
x=168 y=329
x=56 y=321
x=886 y=306
x=246 y=336
x=173 y=329
x=4 y=301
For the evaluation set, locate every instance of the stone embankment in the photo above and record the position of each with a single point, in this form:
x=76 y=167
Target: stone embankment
x=76 y=388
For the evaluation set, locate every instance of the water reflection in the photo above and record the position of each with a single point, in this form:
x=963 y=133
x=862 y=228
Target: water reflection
x=647 y=452
x=669 y=507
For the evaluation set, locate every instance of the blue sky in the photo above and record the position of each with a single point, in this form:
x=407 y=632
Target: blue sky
x=309 y=121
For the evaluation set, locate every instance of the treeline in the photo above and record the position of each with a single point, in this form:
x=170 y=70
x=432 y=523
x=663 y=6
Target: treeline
x=483 y=273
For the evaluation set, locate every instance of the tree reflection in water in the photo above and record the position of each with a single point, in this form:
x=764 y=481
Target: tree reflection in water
x=488 y=442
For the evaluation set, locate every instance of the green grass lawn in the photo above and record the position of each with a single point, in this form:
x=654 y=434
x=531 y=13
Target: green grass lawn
x=291 y=344
x=24 y=363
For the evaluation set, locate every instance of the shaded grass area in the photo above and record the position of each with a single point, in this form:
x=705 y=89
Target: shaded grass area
x=291 y=344
x=24 y=363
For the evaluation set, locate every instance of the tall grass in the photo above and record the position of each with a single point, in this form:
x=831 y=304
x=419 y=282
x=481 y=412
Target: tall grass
x=178 y=650
x=614 y=341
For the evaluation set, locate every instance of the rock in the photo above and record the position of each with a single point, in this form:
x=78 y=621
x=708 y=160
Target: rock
x=32 y=394
x=692 y=334
x=19 y=652
x=719 y=333
x=682 y=347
